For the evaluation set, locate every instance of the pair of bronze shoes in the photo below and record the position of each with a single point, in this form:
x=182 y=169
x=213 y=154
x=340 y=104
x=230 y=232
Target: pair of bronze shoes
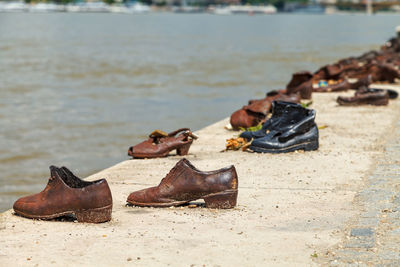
x=368 y=96
x=66 y=194
x=299 y=87
x=257 y=110
x=160 y=144
x=91 y=202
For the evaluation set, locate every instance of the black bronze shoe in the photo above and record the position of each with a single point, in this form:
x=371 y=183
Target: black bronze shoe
x=279 y=108
x=368 y=96
x=295 y=131
x=392 y=93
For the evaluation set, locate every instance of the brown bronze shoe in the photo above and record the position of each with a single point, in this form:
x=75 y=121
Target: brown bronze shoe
x=365 y=97
x=185 y=183
x=66 y=195
x=245 y=118
x=301 y=82
x=160 y=144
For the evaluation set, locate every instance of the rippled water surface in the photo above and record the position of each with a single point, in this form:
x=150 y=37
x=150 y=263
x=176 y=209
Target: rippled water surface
x=79 y=89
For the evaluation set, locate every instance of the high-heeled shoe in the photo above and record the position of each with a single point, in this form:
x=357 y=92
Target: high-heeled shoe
x=160 y=144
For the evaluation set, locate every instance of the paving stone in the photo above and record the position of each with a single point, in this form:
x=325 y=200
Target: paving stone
x=379 y=169
x=389 y=244
x=393 y=223
x=361 y=232
x=371 y=222
x=381 y=213
x=391 y=149
x=378 y=183
x=396 y=209
x=392 y=166
x=385 y=206
x=391 y=263
x=356 y=264
x=389 y=177
x=335 y=263
x=395 y=232
x=360 y=264
x=372 y=213
x=389 y=255
x=396 y=200
x=371 y=196
x=395 y=214
x=361 y=243
x=352 y=255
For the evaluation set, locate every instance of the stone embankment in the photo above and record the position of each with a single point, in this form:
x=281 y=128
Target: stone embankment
x=337 y=205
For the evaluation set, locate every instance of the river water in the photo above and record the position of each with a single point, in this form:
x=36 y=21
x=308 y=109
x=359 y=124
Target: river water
x=79 y=89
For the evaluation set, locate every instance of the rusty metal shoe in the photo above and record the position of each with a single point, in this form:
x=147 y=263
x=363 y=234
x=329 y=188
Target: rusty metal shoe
x=364 y=90
x=365 y=96
x=160 y=144
x=67 y=195
x=301 y=82
x=185 y=183
x=245 y=118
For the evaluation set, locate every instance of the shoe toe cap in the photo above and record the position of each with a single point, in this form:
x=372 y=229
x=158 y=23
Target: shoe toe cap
x=130 y=151
x=246 y=135
x=24 y=206
x=137 y=197
x=18 y=205
x=262 y=142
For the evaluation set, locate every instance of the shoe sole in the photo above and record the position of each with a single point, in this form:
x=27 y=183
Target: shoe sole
x=97 y=215
x=379 y=102
x=180 y=151
x=221 y=200
x=150 y=156
x=307 y=146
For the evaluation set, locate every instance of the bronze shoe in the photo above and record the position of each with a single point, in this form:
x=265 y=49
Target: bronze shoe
x=365 y=96
x=301 y=82
x=185 y=183
x=160 y=144
x=245 y=118
x=65 y=195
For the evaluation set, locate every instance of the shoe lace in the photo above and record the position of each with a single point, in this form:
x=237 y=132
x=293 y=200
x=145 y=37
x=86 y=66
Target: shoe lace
x=48 y=186
x=172 y=171
x=51 y=180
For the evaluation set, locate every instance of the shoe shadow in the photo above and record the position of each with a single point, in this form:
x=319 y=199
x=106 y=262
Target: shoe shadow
x=138 y=211
x=194 y=205
x=144 y=210
x=65 y=218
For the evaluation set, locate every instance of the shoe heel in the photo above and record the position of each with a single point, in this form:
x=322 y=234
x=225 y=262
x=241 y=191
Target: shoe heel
x=183 y=150
x=98 y=215
x=306 y=93
x=312 y=146
x=223 y=200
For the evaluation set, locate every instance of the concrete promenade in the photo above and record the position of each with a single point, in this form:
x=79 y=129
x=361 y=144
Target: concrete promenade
x=335 y=206
x=372 y=237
